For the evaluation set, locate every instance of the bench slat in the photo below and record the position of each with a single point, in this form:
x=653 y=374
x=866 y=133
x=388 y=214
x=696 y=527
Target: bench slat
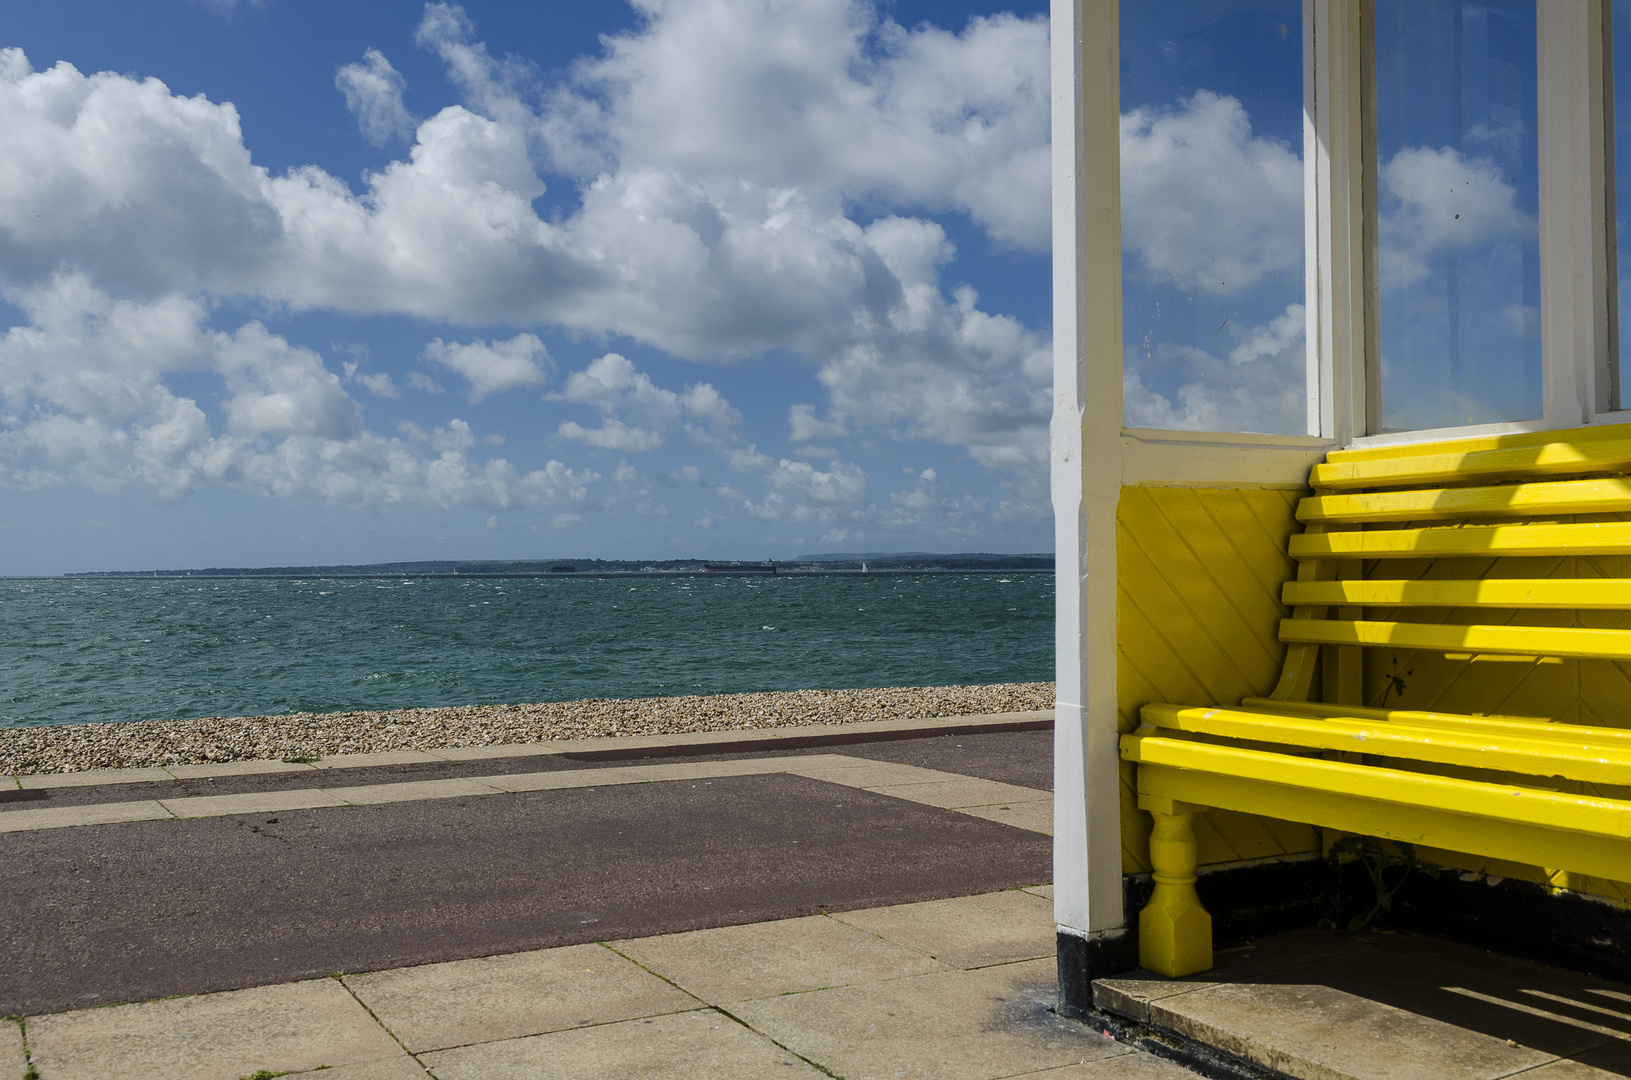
x=1577 y=759
x=1528 y=726
x=1581 y=538
x=1428 y=470
x=1573 y=593
x=1568 y=832
x=1599 y=496
x=1575 y=642
x=1505 y=803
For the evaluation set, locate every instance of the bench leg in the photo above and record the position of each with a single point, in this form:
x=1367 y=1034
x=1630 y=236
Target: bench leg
x=1174 y=930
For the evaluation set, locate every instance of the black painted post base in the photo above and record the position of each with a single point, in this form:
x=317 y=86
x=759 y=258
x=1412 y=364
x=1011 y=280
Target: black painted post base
x=1081 y=960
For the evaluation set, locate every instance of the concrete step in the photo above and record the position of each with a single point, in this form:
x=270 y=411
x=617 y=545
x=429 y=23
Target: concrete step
x=1317 y=1005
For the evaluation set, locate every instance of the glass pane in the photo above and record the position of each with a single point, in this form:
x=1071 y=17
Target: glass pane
x=1457 y=234
x=1212 y=216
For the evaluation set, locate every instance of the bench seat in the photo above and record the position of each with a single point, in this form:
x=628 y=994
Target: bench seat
x=1506 y=787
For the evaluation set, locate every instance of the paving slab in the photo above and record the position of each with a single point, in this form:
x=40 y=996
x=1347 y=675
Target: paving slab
x=958 y=793
x=967 y=931
x=708 y=1044
x=401 y=1067
x=1316 y=1032
x=13 y=1062
x=63 y=817
x=1129 y=1066
x=410 y=791
x=869 y=775
x=956 y=1025
x=286 y=1028
x=1024 y=758
x=1496 y=998
x=503 y=997
x=1614 y=1055
x=1613 y=1059
x=764 y=959
x=1130 y=995
x=260 y=802
x=1035 y=816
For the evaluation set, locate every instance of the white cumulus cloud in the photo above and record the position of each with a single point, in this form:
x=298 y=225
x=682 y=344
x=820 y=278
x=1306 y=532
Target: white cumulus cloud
x=494 y=368
x=1259 y=386
x=638 y=415
x=1436 y=201
x=1205 y=202
x=373 y=92
x=84 y=400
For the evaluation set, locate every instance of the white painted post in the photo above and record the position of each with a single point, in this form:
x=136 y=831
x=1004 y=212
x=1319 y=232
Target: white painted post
x=1341 y=311
x=1575 y=278
x=1086 y=472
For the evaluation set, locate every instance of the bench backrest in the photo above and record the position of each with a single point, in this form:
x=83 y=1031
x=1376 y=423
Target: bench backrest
x=1529 y=501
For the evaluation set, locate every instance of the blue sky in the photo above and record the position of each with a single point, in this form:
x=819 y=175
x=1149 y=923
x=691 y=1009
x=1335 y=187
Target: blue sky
x=1212 y=202
x=290 y=282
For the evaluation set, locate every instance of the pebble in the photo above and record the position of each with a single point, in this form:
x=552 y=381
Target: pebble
x=143 y=743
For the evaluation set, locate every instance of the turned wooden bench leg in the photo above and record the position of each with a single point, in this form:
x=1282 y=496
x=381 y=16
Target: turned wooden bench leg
x=1174 y=930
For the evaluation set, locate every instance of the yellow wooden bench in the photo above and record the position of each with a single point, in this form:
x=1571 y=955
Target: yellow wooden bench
x=1489 y=786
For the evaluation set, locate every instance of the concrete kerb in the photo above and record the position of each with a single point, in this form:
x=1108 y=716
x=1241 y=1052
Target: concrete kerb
x=610 y=748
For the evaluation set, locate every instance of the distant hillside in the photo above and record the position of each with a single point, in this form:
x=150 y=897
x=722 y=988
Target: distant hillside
x=922 y=560
x=422 y=568
x=857 y=556
x=886 y=562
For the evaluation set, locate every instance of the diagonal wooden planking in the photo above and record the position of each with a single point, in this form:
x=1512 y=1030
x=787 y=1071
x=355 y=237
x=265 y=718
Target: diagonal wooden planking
x=1198 y=580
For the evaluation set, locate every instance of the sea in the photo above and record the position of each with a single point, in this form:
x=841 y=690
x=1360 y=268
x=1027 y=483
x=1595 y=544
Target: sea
x=86 y=650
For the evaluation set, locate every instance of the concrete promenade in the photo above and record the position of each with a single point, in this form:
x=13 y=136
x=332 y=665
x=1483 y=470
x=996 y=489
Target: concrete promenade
x=718 y=905
x=871 y=902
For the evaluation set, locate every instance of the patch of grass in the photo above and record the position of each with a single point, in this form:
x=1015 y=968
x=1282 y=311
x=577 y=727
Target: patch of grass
x=29 y=1071
x=302 y=759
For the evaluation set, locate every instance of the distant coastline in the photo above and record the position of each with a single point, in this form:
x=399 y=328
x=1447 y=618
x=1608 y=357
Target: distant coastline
x=803 y=566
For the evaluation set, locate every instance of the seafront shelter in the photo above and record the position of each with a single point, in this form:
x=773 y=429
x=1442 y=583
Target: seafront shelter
x=1380 y=238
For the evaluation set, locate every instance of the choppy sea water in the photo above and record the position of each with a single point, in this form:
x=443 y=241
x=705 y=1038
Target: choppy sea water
x=87 y=650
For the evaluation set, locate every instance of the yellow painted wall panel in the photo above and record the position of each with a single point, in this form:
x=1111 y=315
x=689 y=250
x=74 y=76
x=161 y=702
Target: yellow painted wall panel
x=1167 y=532
x=1199 y=576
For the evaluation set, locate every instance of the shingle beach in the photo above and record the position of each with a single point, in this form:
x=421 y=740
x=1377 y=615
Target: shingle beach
x=71 y=748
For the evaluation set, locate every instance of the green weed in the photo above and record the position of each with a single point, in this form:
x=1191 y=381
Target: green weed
x=1374 y=855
